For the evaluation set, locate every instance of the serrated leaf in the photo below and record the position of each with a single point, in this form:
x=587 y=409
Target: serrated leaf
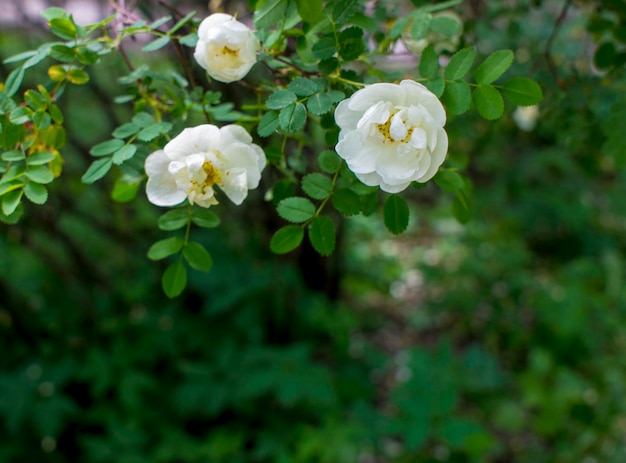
x=457 y=97
x=329 y=161
x=322 y=235
x=106 y=147
x=429 y=62
x=343 y=10
x=124 y=154
x=174 y=279
x=269 y=13
x=351 y=44
x=204 y=218
x=488 y=102
x=36 y=192
x=317 y=186
x=13 y=82
x=460 y=64
x=280 y=99
x=494 y=66
x=126 y=130
x=197 y=256
x=268 y=124
x=156 y=44
x=522 y=91
x=436 y=85
x=174 y=219
x=97 y=170
x=286 y=239
x=165 y=248
x=293 y=117
x=296 y=209
x=303 y=87
x=310 y=10
x=40 y=174
x=324 y=48
x=346 y=201
x=11 y=200
x=445 y=25
x=319 y=104
x=152 y=131
x=396 y=214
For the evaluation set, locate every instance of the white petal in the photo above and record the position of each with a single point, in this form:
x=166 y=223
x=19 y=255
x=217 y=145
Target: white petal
x=199 y=139
x=235 y=185
x=345 y=117
x=417 y=94
x=437 y=157
x=234 y=133
x=161 y=190
x=418 y=138
x=397 y=130
x=156 y=163
x=394 y=188
x=369 y=96
x=371 y=179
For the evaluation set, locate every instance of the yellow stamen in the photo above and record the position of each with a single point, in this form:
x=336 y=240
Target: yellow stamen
x=212 y=174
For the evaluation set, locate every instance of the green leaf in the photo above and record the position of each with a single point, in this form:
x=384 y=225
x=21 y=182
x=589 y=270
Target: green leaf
x=605 y=55
x=14 y=217
x=181 y=22
x=97 y=170
x=329 y=161
x=303 y=87
x=63 y=53
x=317 y=186
x=156 y=44
x=286 y=239
x=165 y=248
x=40 y=174
x=124 y=154
x=124 y=190
x=13 y=155
x=152 y=131
x=54 y=12
x=269 y=13
x=36 y=192
x=396 y=214
x=174 y=219
x=310 y=10
x=457 y=97
x=322 y=235
x=86 y=56
x=445 y=25
x=494 y=66
x=280 y=99
x=462 y=207
x=204 y=218
x=420 y=25
x=460 y=64
x=399 y=26
x=11 y=200
x=343 y=10
x=106 y=147
x=20 y=115
x=522 y=91
x=449 y=180
x=346 y=201
x=13 y=82
x=158 y=23
x=292 y=117
x=63 y=27
x=174 y=279
x=369 y=203
x=197 y=256
x=126 y=130
x=296 y=209
x=324 y=48
x=268 y=124
x=77 y=76
x=351 y=44
x=436 y=85
x=429 y=62
x=56 y=114
x=143 y=119
x=190 y=40
x=57 y=73
x=488 y=102
x=319 y=104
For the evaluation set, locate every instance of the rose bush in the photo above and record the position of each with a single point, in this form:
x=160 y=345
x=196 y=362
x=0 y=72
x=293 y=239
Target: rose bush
x=199 y=158
x=226 y=48
x=392 y=134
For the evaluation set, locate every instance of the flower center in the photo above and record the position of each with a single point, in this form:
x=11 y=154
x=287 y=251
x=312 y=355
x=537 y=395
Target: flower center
x=212 y=174
x=230 y=52
x=385 y=130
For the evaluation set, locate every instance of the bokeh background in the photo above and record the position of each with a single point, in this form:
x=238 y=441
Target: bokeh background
x=499 y=340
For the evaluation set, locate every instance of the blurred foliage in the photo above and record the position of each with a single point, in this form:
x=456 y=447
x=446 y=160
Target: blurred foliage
x=500 y=340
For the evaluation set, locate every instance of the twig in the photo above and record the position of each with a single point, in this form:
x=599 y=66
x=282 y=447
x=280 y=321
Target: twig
x=547 y=50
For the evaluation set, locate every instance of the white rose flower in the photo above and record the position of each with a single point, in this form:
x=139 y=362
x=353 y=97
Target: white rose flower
x=526 y=117
x=392 y=134
x=226 y=48
x=191 y=164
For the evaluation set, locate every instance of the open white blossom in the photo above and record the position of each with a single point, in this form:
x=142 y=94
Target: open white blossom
x=199 y=158
x=526 y=117
x=226 y=48
x=392 y=134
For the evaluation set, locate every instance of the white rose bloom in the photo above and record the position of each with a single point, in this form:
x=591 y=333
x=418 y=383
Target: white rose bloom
x=226 y=48
x=392 y=134
x=526 y=117
x=199 y=158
